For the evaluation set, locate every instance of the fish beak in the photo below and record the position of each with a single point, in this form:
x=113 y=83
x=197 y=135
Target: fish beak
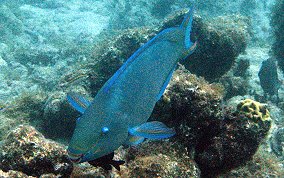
x=75 y=157
x=74 y=160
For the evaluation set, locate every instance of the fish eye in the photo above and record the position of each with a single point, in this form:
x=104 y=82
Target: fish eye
x=105 y=130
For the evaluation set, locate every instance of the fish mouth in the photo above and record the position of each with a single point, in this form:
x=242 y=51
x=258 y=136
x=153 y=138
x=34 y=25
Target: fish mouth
x=75 y=157
x=74 y=160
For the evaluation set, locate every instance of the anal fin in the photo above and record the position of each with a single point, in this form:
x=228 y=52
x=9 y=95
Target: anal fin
x=133 y=140
x=152 y=130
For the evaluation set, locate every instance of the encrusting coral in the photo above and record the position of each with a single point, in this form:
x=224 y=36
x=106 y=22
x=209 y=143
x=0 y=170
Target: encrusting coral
x=254 y=110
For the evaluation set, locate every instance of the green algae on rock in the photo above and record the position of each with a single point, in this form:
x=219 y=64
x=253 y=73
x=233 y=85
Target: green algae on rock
x=26 y=150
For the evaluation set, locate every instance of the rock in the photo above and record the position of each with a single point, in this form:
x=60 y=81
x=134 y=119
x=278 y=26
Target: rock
x=241 y=69
x=14 y=174
x=59 y=118
x=220 y=41
x=8 y=124
x=191 y=105
x=234 y=86
x=263 y=165
x=237 y=140
x=26 y=150
x=3 y=64
x=159 y=159
x=277 y=142
x=10 y=23
x=40 y=55
x=28 y=106
x=277 y=23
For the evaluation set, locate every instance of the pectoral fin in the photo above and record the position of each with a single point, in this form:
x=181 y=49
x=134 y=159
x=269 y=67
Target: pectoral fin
x=134 y=140
x=152 y=130
x=78 y=102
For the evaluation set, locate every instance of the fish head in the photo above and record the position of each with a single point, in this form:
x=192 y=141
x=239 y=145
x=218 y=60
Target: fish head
x=92 y=140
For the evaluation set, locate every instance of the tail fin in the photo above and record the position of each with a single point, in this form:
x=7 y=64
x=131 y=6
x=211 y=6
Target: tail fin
x=186 y=25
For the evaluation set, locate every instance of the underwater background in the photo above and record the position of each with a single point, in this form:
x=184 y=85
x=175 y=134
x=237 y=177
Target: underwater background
x=225 y=101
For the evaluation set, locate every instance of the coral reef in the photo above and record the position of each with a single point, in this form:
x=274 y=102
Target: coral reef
x=7 y=124
x=17 y=174
x=10 y=24
x=26 y=150
x=255 y=111
x=14 y=174
x=277 y=142
x=59 y=118
x=241 y=68
x=218 y=135
x=263 y=165
x=236 y=80
x=234 y=86
x=129 y=14
x=39 y=54
x=28 y=106
x=51 y=115
x=191 y=105
x=150 y=159
x=238 y=139
x=160 y=159
x=277 y=22
x=219 y=44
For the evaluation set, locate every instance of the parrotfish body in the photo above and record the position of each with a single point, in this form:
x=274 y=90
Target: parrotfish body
x=119 y=113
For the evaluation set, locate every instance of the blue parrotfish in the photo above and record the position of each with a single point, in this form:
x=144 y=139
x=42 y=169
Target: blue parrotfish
x=119 y=112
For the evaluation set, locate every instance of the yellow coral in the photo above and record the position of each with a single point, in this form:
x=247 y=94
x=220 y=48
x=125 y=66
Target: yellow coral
x=254 y=110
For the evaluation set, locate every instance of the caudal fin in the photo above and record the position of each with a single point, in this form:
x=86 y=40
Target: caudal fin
x=186 y=25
